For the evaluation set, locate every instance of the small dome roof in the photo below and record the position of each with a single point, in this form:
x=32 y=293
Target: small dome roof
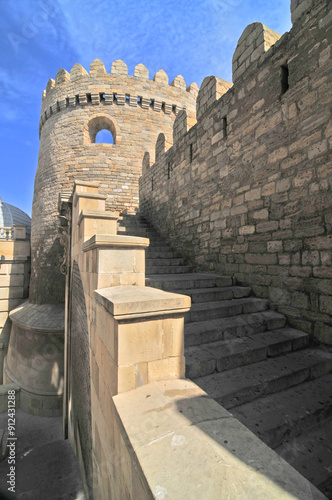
x=10 y=215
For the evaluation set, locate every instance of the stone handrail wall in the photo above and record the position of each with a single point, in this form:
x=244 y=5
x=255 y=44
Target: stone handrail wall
x=163 y=429
x=121 y=334
x=249 y=193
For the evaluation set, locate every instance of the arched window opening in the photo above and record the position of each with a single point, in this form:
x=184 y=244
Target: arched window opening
x=102 y=130
x=104 y=136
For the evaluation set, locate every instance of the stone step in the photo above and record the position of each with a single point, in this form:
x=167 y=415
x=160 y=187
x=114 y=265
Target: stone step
x=133 y=224
x=224 y=355
x=311 y=455
x=124 y=228
x=187 y=281
x=204 y=332
x=138 y=231
x=127 y=222
x=221 y=309
x=155 y=239
x=131 y=219
x=161 y=249
x=159 y=244
x=217 y=293
x=299 y=408
x=152 y=254
x=244 y=384
x=168 y=269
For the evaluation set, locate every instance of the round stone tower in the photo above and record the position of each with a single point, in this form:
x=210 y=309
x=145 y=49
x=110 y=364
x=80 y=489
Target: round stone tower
x=75 y=108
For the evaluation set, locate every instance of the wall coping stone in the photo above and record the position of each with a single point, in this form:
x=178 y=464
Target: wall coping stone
x=178 y=421
x=83 y=194
x=126 y=302
x=97 y=214
x=39 y=318
x=78 y=182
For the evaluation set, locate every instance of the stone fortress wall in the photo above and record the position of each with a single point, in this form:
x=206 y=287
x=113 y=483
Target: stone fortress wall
x=247 y=190
x=74 y=108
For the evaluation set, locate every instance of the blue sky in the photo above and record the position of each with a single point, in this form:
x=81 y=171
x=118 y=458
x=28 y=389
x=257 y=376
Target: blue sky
x=194 y=38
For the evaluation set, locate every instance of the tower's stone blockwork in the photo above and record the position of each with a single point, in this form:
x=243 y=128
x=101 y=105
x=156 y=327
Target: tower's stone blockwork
x=75 y=107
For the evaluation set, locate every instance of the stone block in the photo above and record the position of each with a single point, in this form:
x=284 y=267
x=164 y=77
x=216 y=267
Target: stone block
x=323 y=333
x=139 y=342
x=7 y=305
x=11 y=268
x=12 y=292
x=173 y=344
x=147 y=325
x=274 y=246
x=116 y=260
x=299 y=8
x=166 y=369
x=254 y=194
x=326 y=304
x=126 y=378
x=261 y=214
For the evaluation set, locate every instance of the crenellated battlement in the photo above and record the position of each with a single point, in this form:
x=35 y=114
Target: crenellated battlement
x=118 y=68
x=99 y=88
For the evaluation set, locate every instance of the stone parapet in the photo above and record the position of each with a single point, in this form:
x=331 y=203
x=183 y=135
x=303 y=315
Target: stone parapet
x=115 y=88
x=99 y=258
x=253 y=43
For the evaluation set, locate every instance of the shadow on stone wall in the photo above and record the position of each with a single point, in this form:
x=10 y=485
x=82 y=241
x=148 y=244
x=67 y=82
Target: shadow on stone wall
x=79 y=373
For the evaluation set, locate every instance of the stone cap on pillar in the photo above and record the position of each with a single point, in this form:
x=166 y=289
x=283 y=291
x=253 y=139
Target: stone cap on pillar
x=128 y=302
x=91 y=186
x=92 y=196
x=105 y=240
x=20 y=231
x=97 y=214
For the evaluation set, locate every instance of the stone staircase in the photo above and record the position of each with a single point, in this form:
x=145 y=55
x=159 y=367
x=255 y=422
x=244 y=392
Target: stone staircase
x=247 y=358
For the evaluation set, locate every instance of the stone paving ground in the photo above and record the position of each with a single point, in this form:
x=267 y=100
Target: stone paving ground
x=46 y=466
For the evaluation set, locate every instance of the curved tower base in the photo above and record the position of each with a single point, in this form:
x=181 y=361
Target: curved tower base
x=35 y=357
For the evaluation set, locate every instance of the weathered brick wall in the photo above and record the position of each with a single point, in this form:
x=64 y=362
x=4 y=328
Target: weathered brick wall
x=74 y=108
x=250 y=186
